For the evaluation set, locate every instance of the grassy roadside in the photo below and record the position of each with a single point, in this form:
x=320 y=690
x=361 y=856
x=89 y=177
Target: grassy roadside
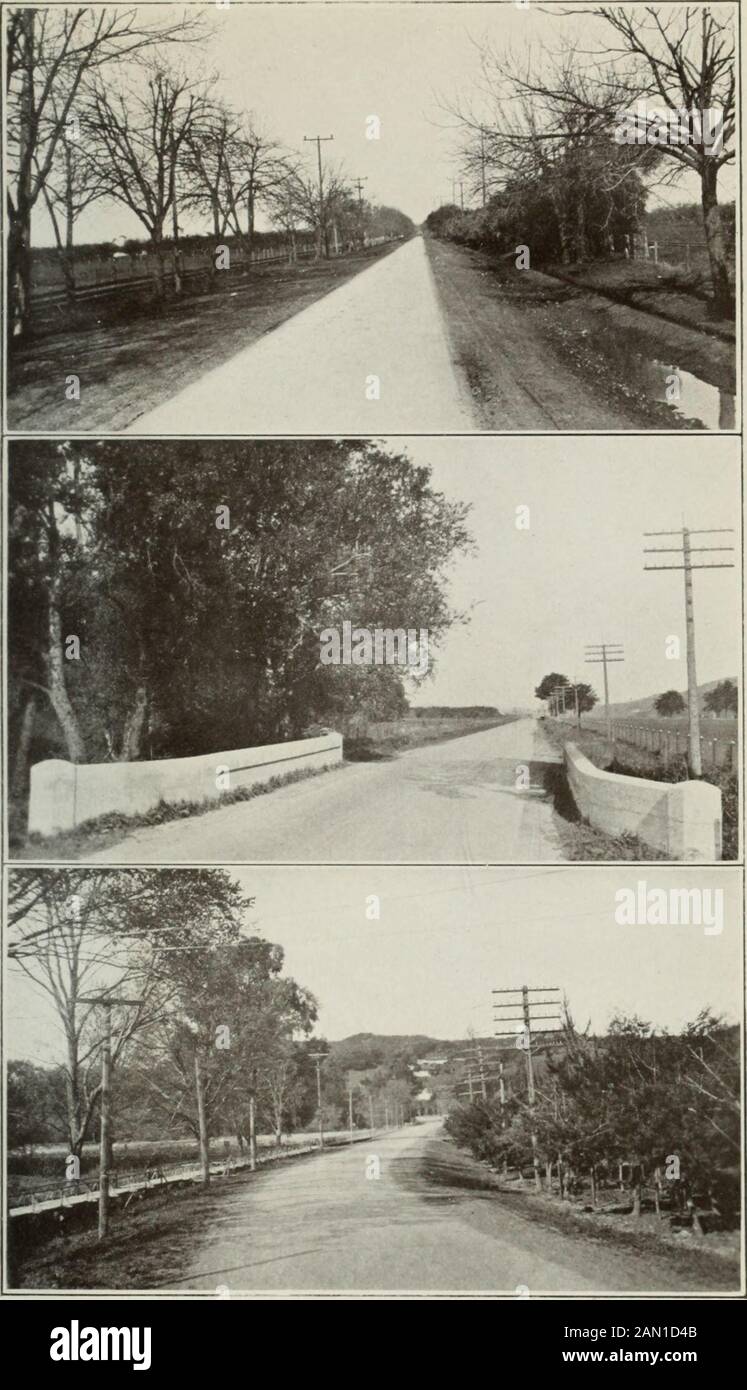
x=714 y=1258
x=150 y=1244
x=675 y=294
x=589 y=360
x=143 y=352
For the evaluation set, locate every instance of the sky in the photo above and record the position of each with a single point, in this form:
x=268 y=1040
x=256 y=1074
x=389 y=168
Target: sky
x=447 y=937
x=306 y=69
x=537 y=597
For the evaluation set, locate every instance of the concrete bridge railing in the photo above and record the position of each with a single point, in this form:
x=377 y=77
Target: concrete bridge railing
x=683 y=819
x=63 y=794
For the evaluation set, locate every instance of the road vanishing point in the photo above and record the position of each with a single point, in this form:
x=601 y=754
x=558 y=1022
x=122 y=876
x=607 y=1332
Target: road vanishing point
x=403 y=1210
x=369 y=357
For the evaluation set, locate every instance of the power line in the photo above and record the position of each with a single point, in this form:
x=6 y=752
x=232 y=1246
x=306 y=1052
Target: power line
x=320 y=140
x=686 y=551
x=602 y=653
x=522 y=998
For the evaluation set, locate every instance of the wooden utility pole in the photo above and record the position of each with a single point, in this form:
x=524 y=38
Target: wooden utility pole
x=350 y=1110
x=107 y=1002
x=604 y=653
x=252 y=1133
x=319 y=140
x=202 y=1129
x=686 y=551
x=557 y=692
x=358 y=184
x=104 y=1124
x=482 y=168
x=521 y=999
x=319 y=1057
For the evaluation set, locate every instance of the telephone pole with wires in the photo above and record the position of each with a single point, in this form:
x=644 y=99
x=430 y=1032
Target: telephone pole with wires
x=602 y=653
x=107 y=1002
x=686 y=551
x=524 y=1002
x=320 y=140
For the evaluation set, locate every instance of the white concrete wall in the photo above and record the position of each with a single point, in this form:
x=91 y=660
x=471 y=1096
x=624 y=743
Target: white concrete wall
x=65 y=794
x=681 y=818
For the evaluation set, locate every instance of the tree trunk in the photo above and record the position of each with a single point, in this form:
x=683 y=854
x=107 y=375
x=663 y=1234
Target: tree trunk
x=68 y=255
x=693 y=1210
x=723 y=298
x=202 y=1120
x=19 y=274
x=133 y=729
x=156 y=241
x=58 y=695
x=637 y=1197
x=19 y=232
x=581 y=247
x=252 y=1135
x=20 y=775
x=250 y=223
x=593 y=1184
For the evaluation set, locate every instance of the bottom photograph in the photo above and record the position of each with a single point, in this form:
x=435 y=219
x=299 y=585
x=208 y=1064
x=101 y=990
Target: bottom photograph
x=370 y=1081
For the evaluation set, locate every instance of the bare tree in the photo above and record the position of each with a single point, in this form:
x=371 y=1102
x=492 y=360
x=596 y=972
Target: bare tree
x=52 y=55
x=72 y=184
x=683 y=59
x=546 y=120
x=232 y=168
x=141 y=136
x=299 y=200
x=61 y=943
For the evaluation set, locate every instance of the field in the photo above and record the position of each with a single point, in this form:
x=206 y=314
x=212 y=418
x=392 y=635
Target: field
x=41 y=1171
x=386 y=737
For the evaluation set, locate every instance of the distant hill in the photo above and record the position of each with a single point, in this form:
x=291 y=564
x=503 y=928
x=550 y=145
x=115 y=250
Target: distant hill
x=645 y=706
x=363 y=1051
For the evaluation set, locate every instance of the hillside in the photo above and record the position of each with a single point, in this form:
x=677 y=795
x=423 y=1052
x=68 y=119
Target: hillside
x=644 y=707
x=362 y=1051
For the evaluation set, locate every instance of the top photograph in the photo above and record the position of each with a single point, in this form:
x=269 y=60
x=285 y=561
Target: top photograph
x=369 y=219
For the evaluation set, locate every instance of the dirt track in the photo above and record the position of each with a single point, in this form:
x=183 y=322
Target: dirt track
x=536 y=354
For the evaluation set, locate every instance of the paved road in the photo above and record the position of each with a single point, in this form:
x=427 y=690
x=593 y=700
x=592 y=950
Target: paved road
x=431 y=1221
x=453 y=802
x=309 y=376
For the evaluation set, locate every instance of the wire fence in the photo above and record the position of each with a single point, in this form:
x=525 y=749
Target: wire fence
x=52 y=1194
x=718 y=745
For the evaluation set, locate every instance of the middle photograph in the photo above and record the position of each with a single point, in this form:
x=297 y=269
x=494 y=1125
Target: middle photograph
x=407 y=650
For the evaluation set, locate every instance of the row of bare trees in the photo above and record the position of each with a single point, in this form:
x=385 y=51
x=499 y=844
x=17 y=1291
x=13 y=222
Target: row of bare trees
x=103 y=106
x=543 y=133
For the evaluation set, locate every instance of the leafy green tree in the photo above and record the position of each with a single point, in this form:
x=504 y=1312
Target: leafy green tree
x=583 y=697
x=548 y=683
x=79 y=934
x=198 y=585
x=724 y=699
x=230 y=1019
x=670 y=703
